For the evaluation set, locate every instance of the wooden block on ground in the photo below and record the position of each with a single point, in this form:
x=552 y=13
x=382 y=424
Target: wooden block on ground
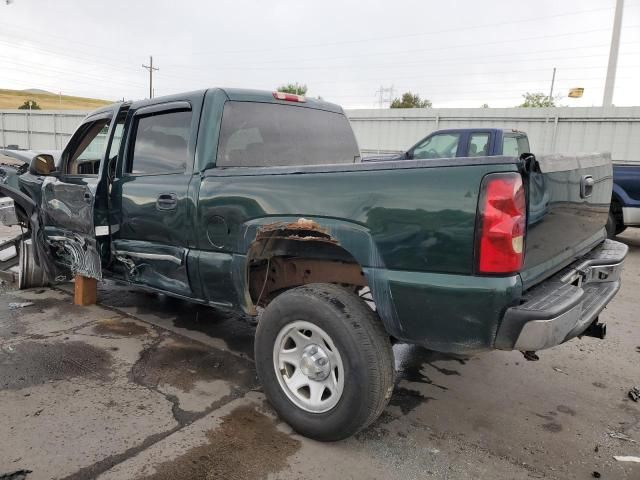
x=86 y=291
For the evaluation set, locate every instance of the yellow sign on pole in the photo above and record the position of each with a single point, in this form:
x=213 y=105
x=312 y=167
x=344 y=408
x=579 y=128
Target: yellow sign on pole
x=576 y=92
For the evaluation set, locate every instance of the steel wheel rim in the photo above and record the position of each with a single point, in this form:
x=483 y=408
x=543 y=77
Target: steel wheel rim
x=298 y=354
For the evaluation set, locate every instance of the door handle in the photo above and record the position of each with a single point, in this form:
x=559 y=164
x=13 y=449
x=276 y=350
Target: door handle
x=586 y=186
x=167 y=201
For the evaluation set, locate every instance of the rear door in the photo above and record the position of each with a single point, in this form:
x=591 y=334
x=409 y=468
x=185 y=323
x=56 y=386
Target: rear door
x=150 y=197
x=68 y=200
x=568 y=205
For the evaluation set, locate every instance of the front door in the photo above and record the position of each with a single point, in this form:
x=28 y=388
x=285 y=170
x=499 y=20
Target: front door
x=68 y=201
x=151 y=196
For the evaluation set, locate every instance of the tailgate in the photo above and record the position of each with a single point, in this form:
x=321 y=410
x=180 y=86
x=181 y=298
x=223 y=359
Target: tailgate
x=568 y=205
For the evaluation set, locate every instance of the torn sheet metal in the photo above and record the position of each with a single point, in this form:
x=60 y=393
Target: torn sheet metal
x=79 y=254
x=159 y=266
x=303 y=229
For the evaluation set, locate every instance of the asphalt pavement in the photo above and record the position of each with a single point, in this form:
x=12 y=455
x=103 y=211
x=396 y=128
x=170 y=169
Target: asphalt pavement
x=145 y=386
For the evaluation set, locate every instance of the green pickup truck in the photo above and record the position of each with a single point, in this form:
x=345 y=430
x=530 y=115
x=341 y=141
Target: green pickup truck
x=258 y=201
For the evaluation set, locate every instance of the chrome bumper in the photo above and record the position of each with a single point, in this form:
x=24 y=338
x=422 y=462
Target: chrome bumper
x=8 y=214
x=564 y=306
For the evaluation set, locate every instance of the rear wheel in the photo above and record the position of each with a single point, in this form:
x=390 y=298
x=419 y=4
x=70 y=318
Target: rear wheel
x=324 y=361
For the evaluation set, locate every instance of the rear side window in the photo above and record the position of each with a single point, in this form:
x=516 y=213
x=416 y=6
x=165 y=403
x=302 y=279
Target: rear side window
x=479 y=145
x=515 y=146
x=266 y=134
x=442 y=145
x=161 y=143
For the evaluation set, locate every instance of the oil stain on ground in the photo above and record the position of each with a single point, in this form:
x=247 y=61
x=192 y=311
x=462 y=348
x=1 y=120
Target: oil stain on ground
x=412 y=362
x=234 y=328
x=182 y=364
x=247 y=446
x=407 y=399
x=33 y=363
x=118 y=326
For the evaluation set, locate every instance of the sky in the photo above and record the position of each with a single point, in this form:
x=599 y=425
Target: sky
x=454 y=53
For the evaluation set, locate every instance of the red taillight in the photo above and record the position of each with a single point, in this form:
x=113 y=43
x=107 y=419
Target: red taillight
x=289 y=97
x=502 y=212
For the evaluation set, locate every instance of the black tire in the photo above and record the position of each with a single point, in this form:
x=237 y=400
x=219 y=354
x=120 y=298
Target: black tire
x=363 y=345
x=615 y=224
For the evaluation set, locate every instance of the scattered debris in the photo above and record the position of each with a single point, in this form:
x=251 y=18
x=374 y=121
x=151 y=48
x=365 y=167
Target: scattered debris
x=15 y=306
x=597 y=448
x=596 y=474
x=627 y=459
x=621 y=436
x=634 y=394
x=560 y=371
x=17 y=475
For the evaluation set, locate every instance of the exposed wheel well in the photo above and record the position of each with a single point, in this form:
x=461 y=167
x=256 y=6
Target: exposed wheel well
x=284 y=256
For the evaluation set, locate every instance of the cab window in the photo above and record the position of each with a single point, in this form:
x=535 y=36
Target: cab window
x=514 y=146
x=161 y=143
x=479 y=145
x=442 y=145
x=87 y=148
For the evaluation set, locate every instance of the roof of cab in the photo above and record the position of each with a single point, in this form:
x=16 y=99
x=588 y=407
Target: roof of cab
x=235 y=94
x=266 y=96
x=480 y=129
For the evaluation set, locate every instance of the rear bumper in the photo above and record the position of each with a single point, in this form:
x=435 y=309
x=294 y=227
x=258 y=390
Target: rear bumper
x=564 y=306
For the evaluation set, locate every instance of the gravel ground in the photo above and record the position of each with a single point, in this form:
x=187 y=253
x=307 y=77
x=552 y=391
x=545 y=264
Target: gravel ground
x=144 y=386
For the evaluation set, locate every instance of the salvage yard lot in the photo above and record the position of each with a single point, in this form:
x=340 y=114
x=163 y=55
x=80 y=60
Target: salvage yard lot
x=143 y=386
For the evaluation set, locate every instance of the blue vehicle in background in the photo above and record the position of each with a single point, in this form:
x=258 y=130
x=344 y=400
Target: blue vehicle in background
x=481 y=142
x=625 y=199
x=463 y=142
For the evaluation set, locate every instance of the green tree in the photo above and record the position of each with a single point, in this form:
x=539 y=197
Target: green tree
x=295 y=88
x=410 y=100
x=537 y=100
x=29 y=105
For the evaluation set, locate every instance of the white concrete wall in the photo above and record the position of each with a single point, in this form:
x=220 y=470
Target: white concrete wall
x=47 y=129
x=558 y=130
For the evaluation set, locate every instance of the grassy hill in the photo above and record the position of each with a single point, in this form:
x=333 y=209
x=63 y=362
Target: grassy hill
x=48 y=101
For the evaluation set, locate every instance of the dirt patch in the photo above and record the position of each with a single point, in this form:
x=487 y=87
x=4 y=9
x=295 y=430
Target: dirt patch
x=567 y=410
x=32 y=363
x=118 y=326
x=552 y=427
x=183 y=363
x=247 y=445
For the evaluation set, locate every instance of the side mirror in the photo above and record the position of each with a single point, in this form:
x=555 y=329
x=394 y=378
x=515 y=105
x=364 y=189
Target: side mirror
x=408 y=155
x=42 y=165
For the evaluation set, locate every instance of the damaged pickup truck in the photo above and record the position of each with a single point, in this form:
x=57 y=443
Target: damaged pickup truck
x=258 y=201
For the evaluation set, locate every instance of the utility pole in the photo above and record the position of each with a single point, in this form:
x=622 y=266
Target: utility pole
x=609 y=85
x=151 y=69
x=553 y=80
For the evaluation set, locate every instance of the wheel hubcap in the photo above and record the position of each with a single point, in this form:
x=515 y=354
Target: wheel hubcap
x=308 y=366
x=315 y=363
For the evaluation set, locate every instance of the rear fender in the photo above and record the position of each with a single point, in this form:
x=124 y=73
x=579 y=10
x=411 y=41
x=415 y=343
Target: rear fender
x=355 y=239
